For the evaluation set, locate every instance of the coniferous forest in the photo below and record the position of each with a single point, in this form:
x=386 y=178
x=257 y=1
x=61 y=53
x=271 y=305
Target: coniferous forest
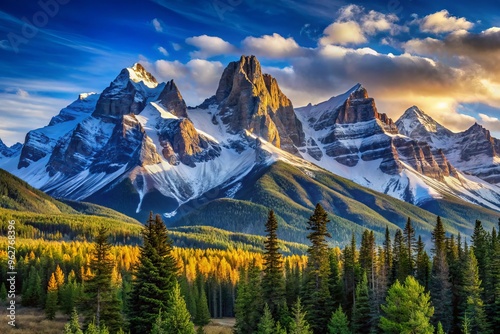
x=403 y=285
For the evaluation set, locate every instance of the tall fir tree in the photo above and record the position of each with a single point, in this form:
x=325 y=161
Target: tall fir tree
x=335 y=280
x=101 y=303
x=266 y=323
x=440 y=286
x=202 y=317
x=474 y=306
x=494 y=307
x=249 y=303
x=422 y=265
x=410 y=241
x=176 y=318
x=339 y=324
x=349 y=277
x=273 y=283
x=299 y=324
x=361 y=313
x=316 y=293
x=155 y=277
x=73 y=326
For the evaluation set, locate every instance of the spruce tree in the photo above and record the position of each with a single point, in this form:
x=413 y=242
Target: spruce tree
x=299 y=324
x=349 y=277
x=266 y=323
x=335 y=280
x=273 y=284
x=176 y=318
x=202 y=317
x=316 y=293
x=440 y=286
x=73 y=326
x=155 y=277
x=101 y=302
x=339 y=324
x=423 y=265
x=407 y=309
x=249 y=303
x=494 y=308
x=51 y=302
x=410 y=241
x=361 y=313
x=474 y=306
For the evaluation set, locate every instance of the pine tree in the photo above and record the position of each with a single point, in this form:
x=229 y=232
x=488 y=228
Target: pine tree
x=440 y=329
x=51 y=302
x=399 y=258
x=440 y=286
x=407 y=309
x=273 y=284
x=155 y=277
x=423 y=265
x=202 y=317
x=266 y=323
x=339 y=324
x=176 y=318
x=474 y=307
x=249 y=302
x=410 y=241
x=299 y=324
x=350 y=269
x=494 y=310
x=101 y=302
x=316 y=291
x=335 y=280
x=361 y=319
x=388 y=257
x=73 y=326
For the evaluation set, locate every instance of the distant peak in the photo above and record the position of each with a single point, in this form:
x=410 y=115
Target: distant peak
x=358 y=92
x=138 y=73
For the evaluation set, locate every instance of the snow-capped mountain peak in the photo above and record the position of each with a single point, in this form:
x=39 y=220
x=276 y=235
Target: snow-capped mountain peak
x=138 y=73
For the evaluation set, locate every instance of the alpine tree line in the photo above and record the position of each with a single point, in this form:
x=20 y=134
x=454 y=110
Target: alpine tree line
x=396 y=287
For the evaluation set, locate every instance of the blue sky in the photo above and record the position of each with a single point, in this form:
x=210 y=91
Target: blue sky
x=440 y=55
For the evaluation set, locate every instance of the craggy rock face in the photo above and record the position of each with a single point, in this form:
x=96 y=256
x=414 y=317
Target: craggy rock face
x=182 y=143
x=474 y=150
x=352 y=130
x=172 y=100
x=250 y=100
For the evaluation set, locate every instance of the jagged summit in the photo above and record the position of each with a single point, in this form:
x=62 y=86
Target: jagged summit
x=138 y=73
x=172 y=100
x=249 y=100
x=415 y=120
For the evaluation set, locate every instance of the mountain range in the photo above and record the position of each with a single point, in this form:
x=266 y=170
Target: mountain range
x=137 y=147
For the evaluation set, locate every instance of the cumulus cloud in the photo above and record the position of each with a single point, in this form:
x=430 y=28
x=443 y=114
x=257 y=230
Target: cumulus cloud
x=197 y=79
x=157 y=25
x=272 y=46
x=209 y=46
x=442 y=22
x=163 y=51
x=489 y=122
x=354 y=25
x=343 y=33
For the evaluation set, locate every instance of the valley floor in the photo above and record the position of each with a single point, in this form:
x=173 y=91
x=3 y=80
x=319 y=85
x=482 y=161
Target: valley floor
x=31 y=320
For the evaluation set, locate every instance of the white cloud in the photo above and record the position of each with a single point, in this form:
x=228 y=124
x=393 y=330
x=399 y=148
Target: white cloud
x=157 y=25
x=343 y=33
x=163 y=51
x=442 y=22
x=197 y=79
x=176 y=46
x=489 y=122
x=209 y=46
x=272 y=46
x=22 y=93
